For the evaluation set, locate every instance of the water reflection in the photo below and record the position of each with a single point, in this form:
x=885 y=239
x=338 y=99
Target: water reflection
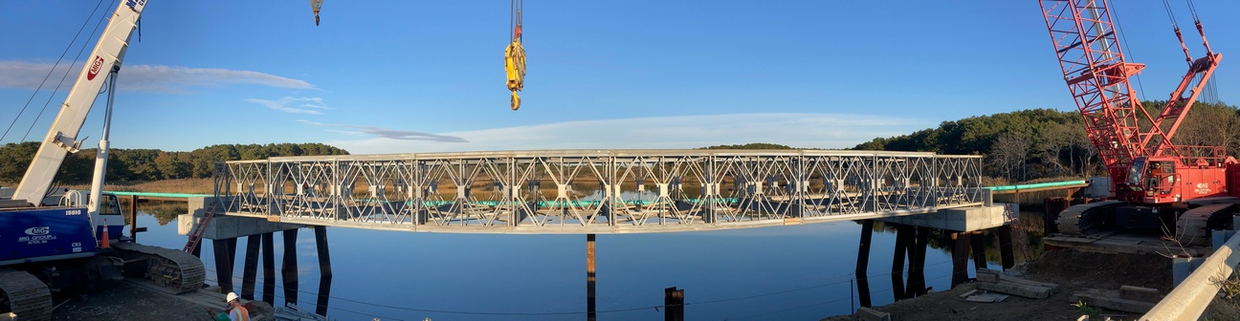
x=792 y=272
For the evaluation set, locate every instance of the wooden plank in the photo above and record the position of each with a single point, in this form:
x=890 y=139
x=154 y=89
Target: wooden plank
x=1111 y=300
x=1028 y=291
x=987 y=275
x=1137 y=293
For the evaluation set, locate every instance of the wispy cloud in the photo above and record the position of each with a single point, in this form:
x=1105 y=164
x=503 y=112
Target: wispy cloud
x=165 y=79
x=294 y=105
x=389 y=134
x=802 y=130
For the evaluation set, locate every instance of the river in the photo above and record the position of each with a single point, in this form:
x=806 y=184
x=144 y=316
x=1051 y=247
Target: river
x=800 y=272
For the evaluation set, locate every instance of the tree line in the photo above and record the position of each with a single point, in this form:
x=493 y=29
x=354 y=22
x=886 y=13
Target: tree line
x=1038 y=143
x=151 y=164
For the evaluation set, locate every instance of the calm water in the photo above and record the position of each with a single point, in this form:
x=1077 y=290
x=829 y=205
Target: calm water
x=781 y=273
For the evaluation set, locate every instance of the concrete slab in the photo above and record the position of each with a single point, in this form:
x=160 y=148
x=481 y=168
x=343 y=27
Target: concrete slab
x=965 y=219
x=226 y=227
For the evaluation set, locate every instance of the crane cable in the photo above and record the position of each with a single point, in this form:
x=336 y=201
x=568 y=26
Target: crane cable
x=514 y=55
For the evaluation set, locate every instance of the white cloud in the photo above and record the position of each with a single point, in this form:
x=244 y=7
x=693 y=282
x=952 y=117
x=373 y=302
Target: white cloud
x=802 y=130
x=389 y=134
x=305 y=105
x=166 y=79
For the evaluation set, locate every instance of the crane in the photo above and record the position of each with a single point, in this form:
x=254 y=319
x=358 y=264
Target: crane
x=1155 y=183
x=60 y=237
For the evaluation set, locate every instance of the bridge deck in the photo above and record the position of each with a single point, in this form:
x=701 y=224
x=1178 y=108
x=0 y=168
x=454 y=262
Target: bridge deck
x=597 y=191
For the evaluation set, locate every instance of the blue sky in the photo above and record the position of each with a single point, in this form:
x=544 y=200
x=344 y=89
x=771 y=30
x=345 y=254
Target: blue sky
x=427 y=76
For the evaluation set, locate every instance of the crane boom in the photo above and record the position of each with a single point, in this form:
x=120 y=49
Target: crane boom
x=62 y=137
x=1097 y=75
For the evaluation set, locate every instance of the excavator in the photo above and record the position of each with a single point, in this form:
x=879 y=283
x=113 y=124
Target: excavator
x=1181 y=191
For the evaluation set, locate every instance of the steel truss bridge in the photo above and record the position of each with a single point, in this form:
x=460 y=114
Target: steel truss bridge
x=596 y=191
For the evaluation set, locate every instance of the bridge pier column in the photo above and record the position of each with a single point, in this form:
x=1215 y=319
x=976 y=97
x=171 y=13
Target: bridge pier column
x=979 y=250
x=250 y=269
x=1005 y=246
x=325 y=269
x=590 y=300
x=863 y=262
x=225 y=251
x=960 y=257
x=269 y=268
x=904 y=236
x=288 y=267
x=917 y=263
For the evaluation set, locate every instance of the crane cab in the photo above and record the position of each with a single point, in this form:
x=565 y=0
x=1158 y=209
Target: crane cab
x=1163 y=180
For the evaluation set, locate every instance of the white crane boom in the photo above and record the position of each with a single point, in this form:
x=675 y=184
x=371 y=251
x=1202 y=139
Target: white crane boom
x=62 y=137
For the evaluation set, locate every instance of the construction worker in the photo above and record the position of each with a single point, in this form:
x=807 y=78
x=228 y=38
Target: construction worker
x=236 y=312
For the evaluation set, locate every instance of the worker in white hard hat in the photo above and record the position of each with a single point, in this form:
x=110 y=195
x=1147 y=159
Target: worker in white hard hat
x=236 y=312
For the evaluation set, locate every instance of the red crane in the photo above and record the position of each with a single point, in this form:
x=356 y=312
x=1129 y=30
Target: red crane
x=1154 y=181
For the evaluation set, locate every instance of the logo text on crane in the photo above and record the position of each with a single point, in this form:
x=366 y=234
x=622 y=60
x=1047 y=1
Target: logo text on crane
x=94 y=68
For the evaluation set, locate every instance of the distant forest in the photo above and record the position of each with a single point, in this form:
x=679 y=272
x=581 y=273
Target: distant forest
x=1038 y=143
x=150 y=164
x=1017 y=146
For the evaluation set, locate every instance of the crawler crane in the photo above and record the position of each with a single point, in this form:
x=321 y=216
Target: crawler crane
x=1155 y=184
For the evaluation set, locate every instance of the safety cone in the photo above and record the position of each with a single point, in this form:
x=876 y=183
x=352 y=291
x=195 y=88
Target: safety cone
x=105 y=234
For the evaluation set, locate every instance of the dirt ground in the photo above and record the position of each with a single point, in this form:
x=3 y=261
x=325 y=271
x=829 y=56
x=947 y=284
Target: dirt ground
x=119 y=300
x=1074 y=271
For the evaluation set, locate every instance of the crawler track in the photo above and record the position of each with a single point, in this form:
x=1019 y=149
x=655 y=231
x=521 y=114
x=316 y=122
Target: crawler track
x=24 y=295
x=1080 y=219
x=172 y=269
x=1193 y=227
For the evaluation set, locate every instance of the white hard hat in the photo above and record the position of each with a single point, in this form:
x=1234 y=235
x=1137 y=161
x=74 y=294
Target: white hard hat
x=231 y=296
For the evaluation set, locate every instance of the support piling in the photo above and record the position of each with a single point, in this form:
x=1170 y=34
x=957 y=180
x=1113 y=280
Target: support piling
x=325 y=269
x=225 y=252
x=250 y=272
x=979 y=250
x=1005 y=246
x=269 y=268
x=590 y=300
x=904 y=234
x=863 y=262
x=917 y=262
x=960 y=258
x=288 y=267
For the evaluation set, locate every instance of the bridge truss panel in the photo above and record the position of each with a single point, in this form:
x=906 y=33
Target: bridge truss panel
x=596 y=191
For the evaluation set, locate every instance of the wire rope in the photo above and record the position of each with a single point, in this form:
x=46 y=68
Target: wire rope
x=63 y=77
x=50 y=71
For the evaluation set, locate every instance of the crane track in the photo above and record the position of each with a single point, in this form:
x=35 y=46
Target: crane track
x=1076 y=220
x=1193 y=227
x=172 y=269
x=25 y=295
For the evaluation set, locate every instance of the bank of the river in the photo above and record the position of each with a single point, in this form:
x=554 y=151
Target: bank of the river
x=1074 y=271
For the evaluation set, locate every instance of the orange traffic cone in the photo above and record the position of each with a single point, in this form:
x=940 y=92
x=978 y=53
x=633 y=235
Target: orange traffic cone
x=105 y=234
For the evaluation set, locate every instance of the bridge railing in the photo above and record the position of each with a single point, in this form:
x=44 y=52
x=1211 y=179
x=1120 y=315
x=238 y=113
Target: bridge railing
x=581 y=190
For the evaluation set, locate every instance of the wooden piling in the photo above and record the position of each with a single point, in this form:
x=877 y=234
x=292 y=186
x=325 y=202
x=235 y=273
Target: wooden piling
x=250 y=271
x=863 y=262
x=590 y=299
x=269 y=268
x=1005 y=246
x=225 y=250
x=673 y=304
x=325 y=269
x=904 y=234
x=288 y=267
x=979 y=250
x=917 y=263
x=960 y=258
